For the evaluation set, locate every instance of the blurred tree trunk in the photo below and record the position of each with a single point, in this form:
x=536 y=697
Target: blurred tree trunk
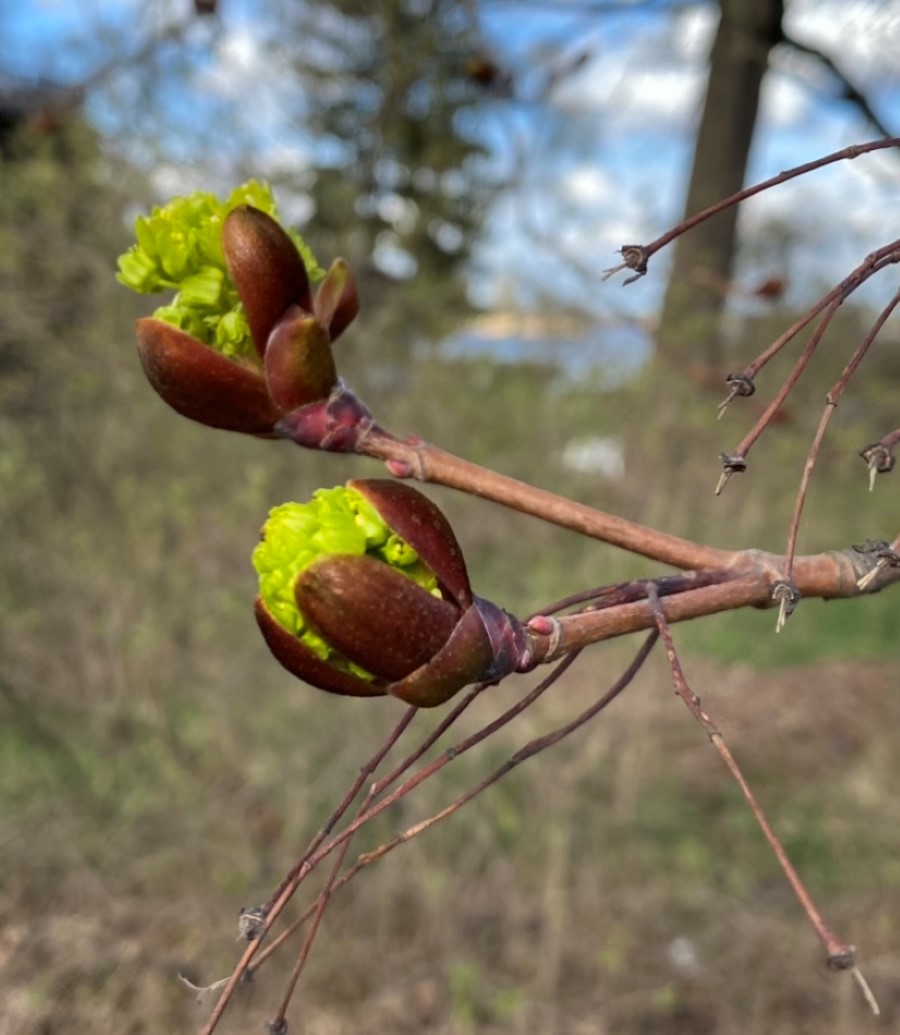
x=703 y=259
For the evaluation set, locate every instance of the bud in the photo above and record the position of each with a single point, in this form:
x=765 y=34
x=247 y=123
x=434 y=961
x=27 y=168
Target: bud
x=244 y=343
x=364 y=591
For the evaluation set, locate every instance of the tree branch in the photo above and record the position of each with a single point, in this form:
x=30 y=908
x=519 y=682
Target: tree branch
x=413 y=458
x=750 y=582
x=851 y=92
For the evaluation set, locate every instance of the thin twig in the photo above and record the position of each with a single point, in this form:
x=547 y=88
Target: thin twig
x=851 y=92
x=840 y=954
x=376 y=789
x=644 y=252
x=433 y=767
x=363 y=775
x=873 y=264
x=313 y=856
x=529 y=750
x=832 y=400
x=602 y=598
x=279 y=900
x=279 y=1023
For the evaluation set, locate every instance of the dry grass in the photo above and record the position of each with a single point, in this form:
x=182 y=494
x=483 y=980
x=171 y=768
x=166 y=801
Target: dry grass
x=613 y=885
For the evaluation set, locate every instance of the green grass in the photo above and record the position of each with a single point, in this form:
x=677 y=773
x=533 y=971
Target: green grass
x=867 y=628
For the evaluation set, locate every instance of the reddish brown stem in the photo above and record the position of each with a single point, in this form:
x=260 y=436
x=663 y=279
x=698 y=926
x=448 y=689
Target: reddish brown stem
x=375 y=790
x=279 y=1022
x=808 y=467
x=747 y=583
x=364 y=774
x=736 y=461
x=273 y=908
x=790 y=381
x=839 y=953
x=530 y=749
x=312 y=857
x=442 y=760
x=872 y=264
x=832 y=400
x=413 y=458
x=854 y=151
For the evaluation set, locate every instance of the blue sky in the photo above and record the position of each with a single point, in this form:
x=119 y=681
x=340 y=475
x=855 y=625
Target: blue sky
x=601 y=161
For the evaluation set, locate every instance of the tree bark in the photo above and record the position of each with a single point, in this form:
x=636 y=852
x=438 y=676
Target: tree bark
x=703 y=259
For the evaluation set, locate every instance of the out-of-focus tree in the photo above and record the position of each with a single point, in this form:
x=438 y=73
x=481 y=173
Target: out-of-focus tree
x=399 y=187
x=704 y=260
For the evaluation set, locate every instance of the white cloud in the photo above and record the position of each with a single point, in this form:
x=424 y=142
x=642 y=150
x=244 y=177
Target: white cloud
x=693 y=32
x=586 y=185
x=239 y=62
x=783 y=102
x=664 y=95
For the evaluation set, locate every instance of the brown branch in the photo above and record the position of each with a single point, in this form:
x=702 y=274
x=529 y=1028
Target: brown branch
x=783 y=392
x=750 y=582
x=636 y=256
x=413 y=458
x=375 y=790
x=840 y=955
x=832 y=400
x=851 y=92
x=314 y=855
x=279 y=1023
x=529 y=750
x=874 y=263
x=272 y=910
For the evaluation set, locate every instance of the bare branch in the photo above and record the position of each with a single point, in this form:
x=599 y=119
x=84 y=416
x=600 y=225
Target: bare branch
x=413 y=458
x=636 y=256
x=832 y=401
x=840 y=954
x=851 y=92
x=874 y=263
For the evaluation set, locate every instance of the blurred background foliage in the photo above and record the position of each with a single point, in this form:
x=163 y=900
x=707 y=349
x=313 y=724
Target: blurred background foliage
x=158 y=770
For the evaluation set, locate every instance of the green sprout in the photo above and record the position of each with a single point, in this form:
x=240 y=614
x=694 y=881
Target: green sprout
x=179 y=248
x=335 y=521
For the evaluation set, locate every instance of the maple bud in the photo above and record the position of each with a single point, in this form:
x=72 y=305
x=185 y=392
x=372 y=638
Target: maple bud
x=364 y=591
x=245 y=342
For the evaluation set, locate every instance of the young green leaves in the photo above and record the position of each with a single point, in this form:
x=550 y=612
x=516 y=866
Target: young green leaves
x=364 y=592
x=179 y=248
x=244 y=343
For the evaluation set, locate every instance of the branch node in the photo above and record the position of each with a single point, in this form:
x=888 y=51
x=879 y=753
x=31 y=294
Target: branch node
x=843 y=959
x=545 y=625
x=251 y=923
x=788 y=596
x=739 y=385
x=880 y=460
x=635 y=258
x=278 y=1027
x=880 y=555
x=732 y=463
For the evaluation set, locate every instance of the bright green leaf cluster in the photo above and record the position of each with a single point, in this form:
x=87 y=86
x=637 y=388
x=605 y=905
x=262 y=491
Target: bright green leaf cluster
x=179 y=248
x=335 y=521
